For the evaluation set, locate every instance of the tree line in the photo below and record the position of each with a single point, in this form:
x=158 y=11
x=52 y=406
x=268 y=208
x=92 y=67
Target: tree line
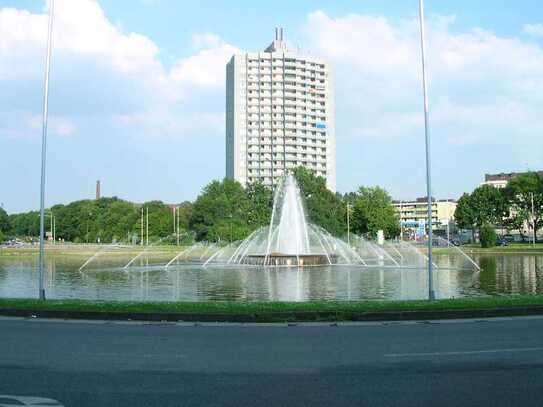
x=519 y=203
x=103 y=220
x=224 y=211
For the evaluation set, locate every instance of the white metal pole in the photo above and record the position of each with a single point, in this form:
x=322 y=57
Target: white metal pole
x=401 y=222
x=173 y=218
x=533 y=221
x=147 y=225
x=141 y=243
x=177 y=236
x=348 y=224
x=41 y=290
x=431 y=294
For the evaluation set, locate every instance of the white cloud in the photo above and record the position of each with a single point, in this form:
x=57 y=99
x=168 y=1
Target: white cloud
x=98 y=69
x=533 y=29
x=370 y=44
x=477 y=78
x=206 y=68
x=62 y=127
x=486 y=93
x=206 y=40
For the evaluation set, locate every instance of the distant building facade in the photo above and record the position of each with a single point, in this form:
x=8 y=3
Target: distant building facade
x=500 y=180
x=280 y=114
x=413 y=215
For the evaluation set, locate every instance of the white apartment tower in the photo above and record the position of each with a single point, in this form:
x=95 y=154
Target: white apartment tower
x=279 y=115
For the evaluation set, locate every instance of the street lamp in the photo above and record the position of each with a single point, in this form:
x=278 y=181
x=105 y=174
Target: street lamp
x=87 y=235
x=41 y=290
x=533 y=221
x=147 y=225
x=431 y=294
x=349 y=206
x=177 y=226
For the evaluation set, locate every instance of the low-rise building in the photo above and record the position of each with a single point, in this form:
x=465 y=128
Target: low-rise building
x=413 y=214
x=500 y=180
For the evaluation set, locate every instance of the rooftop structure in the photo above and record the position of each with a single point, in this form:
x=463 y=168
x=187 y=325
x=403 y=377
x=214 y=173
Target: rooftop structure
x=500 y=180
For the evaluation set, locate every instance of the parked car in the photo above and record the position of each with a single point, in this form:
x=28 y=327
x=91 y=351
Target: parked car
x=502 y=241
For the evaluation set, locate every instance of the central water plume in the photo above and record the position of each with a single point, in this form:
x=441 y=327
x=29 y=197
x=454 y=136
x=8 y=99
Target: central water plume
x=288 y=230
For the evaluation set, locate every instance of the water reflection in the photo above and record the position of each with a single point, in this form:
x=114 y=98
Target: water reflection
x=511 y=274
x=504 y=274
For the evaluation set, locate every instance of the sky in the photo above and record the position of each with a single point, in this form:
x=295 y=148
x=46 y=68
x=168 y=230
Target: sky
x=137 y=92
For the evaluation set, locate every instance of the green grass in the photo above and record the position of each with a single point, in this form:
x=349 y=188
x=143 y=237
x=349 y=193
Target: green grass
x=82 y=250
x=262 y=308
x=514 y=248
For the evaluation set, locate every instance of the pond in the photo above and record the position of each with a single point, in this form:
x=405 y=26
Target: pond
x=105 y=279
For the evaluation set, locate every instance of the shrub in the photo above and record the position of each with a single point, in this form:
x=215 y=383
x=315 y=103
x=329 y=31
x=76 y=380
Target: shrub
x=487 y=236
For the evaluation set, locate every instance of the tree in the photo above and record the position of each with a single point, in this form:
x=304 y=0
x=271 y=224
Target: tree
x=105 y=219
x=4 y=221
x=515 y=222
x=324 y=208
x=521 y=191
x=25 y=224
x=463 y=215
x=487 y=236
x=184 y=212
x=488 y=205
x=373 y=211
x=160 y=220
x=261 y=200
x=221 y=212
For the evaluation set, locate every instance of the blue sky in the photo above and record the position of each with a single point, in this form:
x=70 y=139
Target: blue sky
x=137 y=92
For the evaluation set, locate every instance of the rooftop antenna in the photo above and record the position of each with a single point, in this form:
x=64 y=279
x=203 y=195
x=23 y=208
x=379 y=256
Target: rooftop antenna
x=276 y=33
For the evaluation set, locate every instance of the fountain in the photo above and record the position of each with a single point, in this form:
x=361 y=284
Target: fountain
x=289 y=239
x=275 y=259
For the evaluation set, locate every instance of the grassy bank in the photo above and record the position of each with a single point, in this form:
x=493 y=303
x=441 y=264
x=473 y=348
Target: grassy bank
x=520 y=248
x=83 y=250
x=262 y=308
x=86 y=250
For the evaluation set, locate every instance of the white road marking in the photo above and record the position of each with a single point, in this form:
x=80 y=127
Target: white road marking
x=464 y=352
x=9 y=400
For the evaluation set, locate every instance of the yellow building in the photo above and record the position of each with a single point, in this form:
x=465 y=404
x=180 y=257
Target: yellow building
x=413 y=214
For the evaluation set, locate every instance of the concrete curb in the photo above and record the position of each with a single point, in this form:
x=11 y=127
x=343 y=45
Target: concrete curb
x=294 y=316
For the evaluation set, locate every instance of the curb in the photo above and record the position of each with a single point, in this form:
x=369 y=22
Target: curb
x=306 y=316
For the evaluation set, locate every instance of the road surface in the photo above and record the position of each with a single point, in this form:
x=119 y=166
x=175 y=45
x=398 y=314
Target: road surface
x=455 y=363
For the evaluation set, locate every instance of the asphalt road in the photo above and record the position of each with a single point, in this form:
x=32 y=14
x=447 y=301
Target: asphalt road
x=486 y=363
